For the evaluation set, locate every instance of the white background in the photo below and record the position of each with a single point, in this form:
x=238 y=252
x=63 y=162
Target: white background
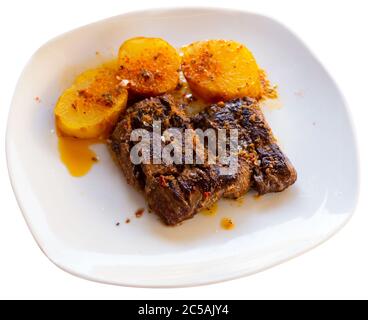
x=335 y=30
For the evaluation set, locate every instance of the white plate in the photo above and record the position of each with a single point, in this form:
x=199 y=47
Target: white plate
x=74 y=220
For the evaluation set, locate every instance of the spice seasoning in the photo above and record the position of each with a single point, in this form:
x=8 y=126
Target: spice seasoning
x=139 y=213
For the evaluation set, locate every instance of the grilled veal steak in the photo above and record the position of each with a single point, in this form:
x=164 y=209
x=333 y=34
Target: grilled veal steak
x=174 y=192
x=271 y=170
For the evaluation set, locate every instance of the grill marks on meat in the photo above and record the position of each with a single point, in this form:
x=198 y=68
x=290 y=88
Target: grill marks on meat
x=174 y=192
x=178 y=192
x=181 y=197
x=271 y=170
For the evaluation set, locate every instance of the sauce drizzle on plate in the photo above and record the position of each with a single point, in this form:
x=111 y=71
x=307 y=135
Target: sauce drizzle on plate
x=77 y=155
x=227 y=224
x=212 y=211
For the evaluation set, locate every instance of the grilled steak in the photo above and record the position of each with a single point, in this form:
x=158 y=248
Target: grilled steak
x=174 y=192
x=270 y=169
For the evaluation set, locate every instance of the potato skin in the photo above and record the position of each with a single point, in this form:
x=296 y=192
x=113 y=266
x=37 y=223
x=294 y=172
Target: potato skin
x=220 y=70
x=91 y=106
x=150 y=65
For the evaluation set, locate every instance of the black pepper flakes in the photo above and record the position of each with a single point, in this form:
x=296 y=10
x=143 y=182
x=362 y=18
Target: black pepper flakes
x=107 y=99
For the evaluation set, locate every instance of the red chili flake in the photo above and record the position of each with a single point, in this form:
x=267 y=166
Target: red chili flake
x=127 y=221
x=146 y=75
x=38 y=99
x=139 y=213
x=163 y=182
x=207 y=195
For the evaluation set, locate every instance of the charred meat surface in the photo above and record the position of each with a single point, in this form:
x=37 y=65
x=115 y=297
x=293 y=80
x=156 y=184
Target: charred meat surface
x=141 y=115
x=174 y=192
x=271 y=170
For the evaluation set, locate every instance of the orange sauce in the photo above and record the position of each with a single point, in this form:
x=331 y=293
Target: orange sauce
x=211 y=212
x=77 y=155
x=227 y=224
x=240 y=201
x=257 y=197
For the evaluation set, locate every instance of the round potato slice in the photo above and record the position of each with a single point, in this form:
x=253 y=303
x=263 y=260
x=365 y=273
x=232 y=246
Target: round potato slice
x=221 y=70
x=91 y=107
x=149 y=65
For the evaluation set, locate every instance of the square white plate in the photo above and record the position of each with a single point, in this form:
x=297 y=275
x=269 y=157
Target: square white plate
x=74 y=220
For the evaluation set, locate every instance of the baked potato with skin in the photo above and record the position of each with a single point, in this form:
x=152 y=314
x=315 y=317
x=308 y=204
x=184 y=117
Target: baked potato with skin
x=91 y=106
x=150 y=66
x=220 y=70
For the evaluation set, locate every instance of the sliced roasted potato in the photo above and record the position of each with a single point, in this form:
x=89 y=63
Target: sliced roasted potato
x=221 y=70
x=91 y=107
x=150 y=65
